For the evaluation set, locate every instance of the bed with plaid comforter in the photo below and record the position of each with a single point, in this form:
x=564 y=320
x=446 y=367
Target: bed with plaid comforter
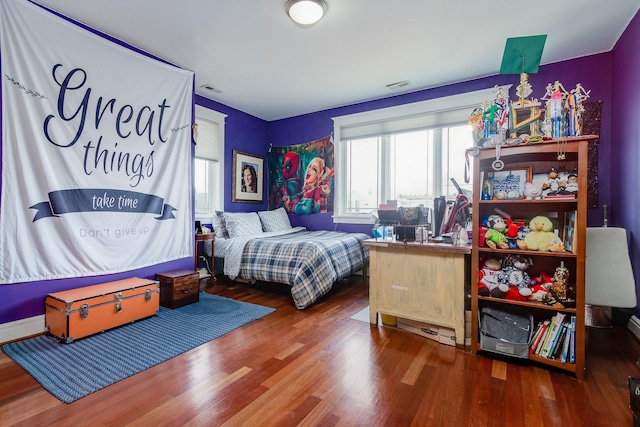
x=309 y=261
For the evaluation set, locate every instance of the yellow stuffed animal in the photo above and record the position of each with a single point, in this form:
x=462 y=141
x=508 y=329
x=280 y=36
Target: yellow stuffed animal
x=541 y=237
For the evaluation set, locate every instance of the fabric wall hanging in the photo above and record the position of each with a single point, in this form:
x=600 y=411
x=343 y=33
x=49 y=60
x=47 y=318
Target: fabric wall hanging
x=301 y=177
x=96 y=152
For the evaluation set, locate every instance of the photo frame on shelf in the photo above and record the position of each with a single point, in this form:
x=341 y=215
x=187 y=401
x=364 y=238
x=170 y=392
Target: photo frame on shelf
x=506 y=184
x=248 y=178
x=569 y=235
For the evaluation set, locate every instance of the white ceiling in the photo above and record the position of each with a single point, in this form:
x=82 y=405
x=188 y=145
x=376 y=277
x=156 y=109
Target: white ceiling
x=268 y=67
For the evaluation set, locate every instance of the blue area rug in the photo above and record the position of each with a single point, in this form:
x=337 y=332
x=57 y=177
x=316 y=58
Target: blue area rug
x=72 y=371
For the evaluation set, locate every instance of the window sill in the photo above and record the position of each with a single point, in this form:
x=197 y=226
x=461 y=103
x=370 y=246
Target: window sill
x=353 y=219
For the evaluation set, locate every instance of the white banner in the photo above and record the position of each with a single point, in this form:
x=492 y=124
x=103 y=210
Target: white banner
x=96 y=152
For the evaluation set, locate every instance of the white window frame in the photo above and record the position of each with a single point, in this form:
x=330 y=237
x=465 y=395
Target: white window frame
x=204 y=113
x=413 y=115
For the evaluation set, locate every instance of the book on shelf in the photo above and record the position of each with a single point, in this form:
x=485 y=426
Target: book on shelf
x=554 y=330
x=572 y=343
x=537 y=337
x=565 y=344
x=545 y=338
x=569 y=234
x=557 y=346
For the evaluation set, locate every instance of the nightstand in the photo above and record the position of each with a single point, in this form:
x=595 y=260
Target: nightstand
x=178 y=288
x=203 y=237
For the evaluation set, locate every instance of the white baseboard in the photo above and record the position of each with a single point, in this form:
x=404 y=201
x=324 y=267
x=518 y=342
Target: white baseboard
x=22 y=328
x=634 y=326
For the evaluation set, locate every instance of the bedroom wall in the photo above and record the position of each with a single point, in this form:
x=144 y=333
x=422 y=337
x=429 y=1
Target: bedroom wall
x=625 y=132
x=593 y=72
x=248 y=133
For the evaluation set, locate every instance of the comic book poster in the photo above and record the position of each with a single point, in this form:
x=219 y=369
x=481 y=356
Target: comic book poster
x=301 y=177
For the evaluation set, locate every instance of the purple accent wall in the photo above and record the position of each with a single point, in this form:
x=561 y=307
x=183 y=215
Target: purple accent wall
x=593 y=72
x=625 y=132
x=253 y=135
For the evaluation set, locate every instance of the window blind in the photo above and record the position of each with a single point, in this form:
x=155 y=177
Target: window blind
x=433 y=113
x=207 y=145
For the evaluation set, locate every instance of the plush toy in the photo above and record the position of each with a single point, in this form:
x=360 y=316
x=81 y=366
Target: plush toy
x=560 y=294
x=494 y=237
x=540 y=286
x=512 y=232
x=532 y=191
x=541 y=236
x=488 y=279
x=514 y=275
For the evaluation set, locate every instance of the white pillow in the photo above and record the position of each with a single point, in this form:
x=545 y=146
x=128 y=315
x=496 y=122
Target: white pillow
x=217 y=227
x=242 y=223
x=277 y=220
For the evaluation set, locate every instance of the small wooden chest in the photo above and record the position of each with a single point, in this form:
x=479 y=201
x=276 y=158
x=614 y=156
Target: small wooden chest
x=77 y=313
x=179 y=288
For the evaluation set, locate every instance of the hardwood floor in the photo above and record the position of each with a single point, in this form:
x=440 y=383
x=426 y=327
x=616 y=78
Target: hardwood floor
x=320 y=367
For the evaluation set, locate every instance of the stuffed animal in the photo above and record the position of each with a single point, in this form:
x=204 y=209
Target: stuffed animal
x=512 y=232
x=560 y=294
x=540 y=286
x=532 y=191
x=541 y=236
x=494 y=237
x=514 y=275
x=488 y=279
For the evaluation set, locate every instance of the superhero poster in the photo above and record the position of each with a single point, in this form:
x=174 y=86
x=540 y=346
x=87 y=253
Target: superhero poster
x=301 y=177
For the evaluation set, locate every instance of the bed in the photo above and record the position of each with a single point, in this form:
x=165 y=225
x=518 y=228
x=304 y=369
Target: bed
x=263 y=246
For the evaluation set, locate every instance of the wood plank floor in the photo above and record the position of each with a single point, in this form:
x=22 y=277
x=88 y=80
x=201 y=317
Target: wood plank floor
x=320 y=367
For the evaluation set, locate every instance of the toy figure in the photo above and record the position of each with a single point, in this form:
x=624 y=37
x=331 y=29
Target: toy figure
x=553 y=184
x=494 y=237
x=532 y=191
x=560 y=295
x=572 y=185
x=541 y=236
x=488 y=279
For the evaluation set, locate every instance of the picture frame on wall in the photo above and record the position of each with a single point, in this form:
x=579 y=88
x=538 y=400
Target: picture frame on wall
x=248 y=178
x=506 y=184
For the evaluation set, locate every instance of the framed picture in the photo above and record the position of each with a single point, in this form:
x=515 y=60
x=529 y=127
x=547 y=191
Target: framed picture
x=248 y=177
x=569 y=235
x=506 y=184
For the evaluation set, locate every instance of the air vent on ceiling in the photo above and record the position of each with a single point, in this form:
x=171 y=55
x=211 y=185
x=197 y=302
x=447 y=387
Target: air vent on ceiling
x=398 y=85
x=211 y=88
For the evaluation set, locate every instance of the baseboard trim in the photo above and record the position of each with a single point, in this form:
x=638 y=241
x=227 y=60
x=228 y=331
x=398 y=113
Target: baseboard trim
x=634 y=326
x=22 y=328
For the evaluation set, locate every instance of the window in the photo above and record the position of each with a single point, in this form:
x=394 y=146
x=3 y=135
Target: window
x=208 y=164
x=407 y=153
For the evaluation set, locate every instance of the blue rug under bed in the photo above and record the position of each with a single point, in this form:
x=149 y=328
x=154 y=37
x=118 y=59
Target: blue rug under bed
x=71 y=371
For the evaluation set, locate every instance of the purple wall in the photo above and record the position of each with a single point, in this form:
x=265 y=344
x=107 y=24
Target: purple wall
x=254 y=135
x=625 y=131
x=593 y=72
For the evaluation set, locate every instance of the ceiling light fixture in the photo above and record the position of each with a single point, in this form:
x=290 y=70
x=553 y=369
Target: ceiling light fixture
x=305 y=13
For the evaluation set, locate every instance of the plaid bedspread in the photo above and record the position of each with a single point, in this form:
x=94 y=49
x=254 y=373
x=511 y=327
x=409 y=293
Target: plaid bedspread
x=309 y=261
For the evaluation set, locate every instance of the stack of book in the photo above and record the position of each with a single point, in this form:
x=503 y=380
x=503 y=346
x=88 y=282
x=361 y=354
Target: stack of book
x=555 y=339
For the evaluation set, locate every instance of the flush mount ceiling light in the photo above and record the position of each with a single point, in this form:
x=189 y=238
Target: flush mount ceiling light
x=305 y=13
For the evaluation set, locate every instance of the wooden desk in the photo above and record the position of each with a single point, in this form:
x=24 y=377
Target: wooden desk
x=418 y=281
x=203 y=237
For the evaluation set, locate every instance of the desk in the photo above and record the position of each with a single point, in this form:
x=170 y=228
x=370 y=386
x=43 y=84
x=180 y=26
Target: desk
x=203 y=237
x=418 y=281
